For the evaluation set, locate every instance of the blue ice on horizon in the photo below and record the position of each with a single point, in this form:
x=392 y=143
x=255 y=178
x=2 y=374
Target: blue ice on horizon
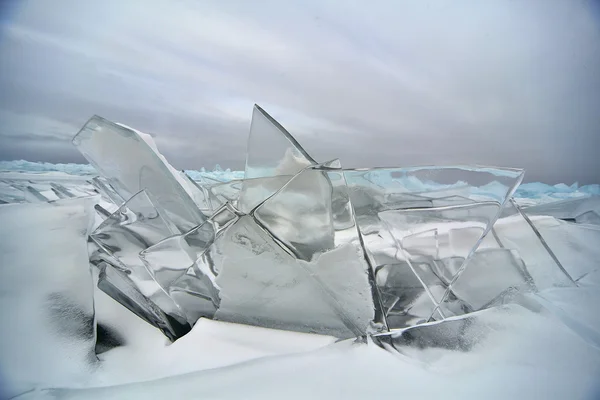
x=531 y=190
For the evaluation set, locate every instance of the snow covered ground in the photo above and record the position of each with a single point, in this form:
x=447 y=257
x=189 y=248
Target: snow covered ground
x=546 y=347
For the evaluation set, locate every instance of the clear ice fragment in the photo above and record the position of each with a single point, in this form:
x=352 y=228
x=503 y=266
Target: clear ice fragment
x=272 y=153
x=130 y=164
x=120 y=287
x=106 y=191
x=138 y=224
x=425 y=221
x=33 y=196
x=297 y=247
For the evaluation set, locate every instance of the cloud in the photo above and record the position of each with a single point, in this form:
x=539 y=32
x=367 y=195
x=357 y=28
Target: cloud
x=384 y=83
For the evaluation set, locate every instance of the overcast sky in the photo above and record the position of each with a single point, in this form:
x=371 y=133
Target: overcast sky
x=375 y=83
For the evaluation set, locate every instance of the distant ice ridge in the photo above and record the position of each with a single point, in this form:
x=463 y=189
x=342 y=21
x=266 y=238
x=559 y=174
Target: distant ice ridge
x=217 y=173
x=39 y=167
x=527 y=193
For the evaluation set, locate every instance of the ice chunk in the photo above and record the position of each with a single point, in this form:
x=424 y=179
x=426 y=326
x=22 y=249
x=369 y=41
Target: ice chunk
x=33 y=196
x=271 y=150
x=60 y=189
x=261 y=284
x=117 y=285
x=575 y=245
x=583 y=210
x=297 y=248
x=425 y=220
x=190 y=255
x=136 y=225
x=516 y=232
x=107 y=192
x=489 y=275
x=300 y=215
x=129 y=164
x=272 y=153
x=226 y=192
x=456 y=333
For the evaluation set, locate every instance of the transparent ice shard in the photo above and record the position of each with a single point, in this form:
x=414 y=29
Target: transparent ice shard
x=106 y=191
x=575 y=245
x=136 y=225
x=272 y=153
x=421 y=225
x=308 y=196
x=411 y=292
x=489 y=275
x=58 y=188
x=225 y=192
x=272 y=150
x=263 y=285
x=186 y=264
x=120 y=287
x=129 y=165
x=515 y=231
x=10 y=194
x=31 y=195
x=296 y=263
x=195 y=294
x=457 y=333
x=580 y=210
x=255 y=191
x=202 y=196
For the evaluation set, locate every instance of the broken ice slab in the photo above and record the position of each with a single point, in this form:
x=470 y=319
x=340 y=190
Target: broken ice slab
x=203 y=198
x=308 y=195
x=193 y=254
x=411 y=216
x=255 y=191
x=138 y=224
x=455 y=333
x=121 y=288
x=580 y=210
x=263 y=285
x=195 y=294
x=61 y=190
x=10 y=194
x=295 y=264
x=106 y=191
x=271 y=149
x=515 y=231
x=575 y=245
x=490 y=274
x=410 y=292
x=272 y=153
x=130 y=164
x=225 y=192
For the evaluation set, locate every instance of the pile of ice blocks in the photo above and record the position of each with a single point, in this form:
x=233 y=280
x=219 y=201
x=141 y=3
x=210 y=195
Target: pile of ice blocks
x=304 y=245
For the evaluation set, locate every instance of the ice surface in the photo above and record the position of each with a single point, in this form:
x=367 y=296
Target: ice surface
x=46 y=295
x=314 y=249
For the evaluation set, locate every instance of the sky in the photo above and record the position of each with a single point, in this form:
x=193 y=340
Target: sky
x=379 y=83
